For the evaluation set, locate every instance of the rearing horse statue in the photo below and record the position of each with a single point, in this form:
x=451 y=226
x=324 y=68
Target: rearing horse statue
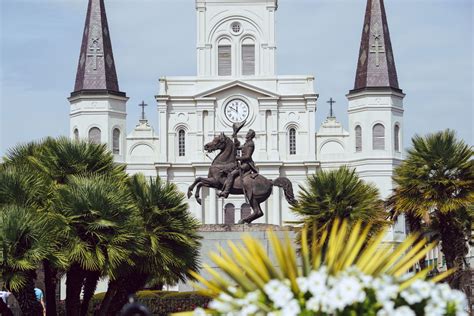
x=256 y=187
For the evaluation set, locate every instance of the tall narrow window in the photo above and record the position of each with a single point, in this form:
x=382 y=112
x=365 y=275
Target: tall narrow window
x=181 y=143
x=224 y=56
x=95 y=135
x=378 y=137
x=292 y=141
x=229 y=214
x=396 y=135
x=248 y=58
x=358 y=134
x=116 y=141
x=76 y=134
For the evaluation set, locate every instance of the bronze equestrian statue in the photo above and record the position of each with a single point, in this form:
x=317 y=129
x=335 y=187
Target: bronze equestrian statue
x=238 y=175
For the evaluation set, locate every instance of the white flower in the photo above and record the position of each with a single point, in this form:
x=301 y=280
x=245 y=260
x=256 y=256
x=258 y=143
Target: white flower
x=220 y=306
x=199 y=312
x=403 y=311
x=279 y=292
x=303 y=284
x=291 y=309
x=317 y=282
x=249 y=309
x=418 y=291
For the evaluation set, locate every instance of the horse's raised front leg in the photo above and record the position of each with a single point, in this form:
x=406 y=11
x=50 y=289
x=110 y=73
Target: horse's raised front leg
x=197 y=193
x=191 y=187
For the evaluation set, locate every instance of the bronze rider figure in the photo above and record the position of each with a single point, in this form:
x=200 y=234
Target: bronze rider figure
x=246 y=162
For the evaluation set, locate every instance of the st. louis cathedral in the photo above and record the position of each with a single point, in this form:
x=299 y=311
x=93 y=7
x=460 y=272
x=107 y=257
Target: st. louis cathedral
x=236 y=81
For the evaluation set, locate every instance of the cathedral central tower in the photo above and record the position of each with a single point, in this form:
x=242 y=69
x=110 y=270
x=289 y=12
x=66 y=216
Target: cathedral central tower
x=236 y=38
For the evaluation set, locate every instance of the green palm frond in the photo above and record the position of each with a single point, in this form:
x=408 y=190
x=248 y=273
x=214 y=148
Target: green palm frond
x=339 y=193
x=102 y=220
x=26 y=238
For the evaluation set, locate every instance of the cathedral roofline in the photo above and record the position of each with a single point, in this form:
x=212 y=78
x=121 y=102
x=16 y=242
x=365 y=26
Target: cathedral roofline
x=376 y=90
x=97 y=93
x=96 y=67
x=376 y=64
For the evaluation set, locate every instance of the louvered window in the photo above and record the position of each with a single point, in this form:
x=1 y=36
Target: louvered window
x=76 y=134
x=396 y=134
x=248 y=59
x=378 y=137
x=358 y=134
x=229 y=214
x=292 y=141
x=224 y=60
x=116 y=141
x=95 y=135
x=181 y=143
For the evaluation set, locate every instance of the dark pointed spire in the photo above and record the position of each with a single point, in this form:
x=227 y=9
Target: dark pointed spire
x=376 y=65
x=96 y=69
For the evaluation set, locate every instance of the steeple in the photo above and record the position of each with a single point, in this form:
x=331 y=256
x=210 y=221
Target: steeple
x=96 y=69
x=376 y=64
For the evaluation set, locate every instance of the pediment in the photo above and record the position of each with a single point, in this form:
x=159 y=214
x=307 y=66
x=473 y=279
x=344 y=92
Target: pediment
x=231 y=85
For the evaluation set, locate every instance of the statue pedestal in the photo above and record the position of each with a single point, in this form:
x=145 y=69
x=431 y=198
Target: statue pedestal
x=220 y=234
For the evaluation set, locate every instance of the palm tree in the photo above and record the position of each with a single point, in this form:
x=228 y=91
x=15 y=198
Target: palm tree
x=436 y=184
x=339 y=193
x=53 y=161
x=171 y=241
x=102 y=221
x=26 y=238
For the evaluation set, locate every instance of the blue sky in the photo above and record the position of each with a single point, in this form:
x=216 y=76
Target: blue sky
x=40 y=41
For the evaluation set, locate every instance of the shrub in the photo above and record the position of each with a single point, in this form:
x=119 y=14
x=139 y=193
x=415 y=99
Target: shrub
x=161 y=302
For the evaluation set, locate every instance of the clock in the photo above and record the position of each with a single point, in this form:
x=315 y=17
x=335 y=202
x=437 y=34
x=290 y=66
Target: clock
x=236 y=111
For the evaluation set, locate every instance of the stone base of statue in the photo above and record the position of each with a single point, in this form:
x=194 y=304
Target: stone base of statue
x=220 y=234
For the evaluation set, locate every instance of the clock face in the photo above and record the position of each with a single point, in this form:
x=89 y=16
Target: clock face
x=236 y=111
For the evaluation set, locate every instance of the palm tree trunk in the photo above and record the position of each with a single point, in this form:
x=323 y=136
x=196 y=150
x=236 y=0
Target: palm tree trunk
x=4 y=309
x=26 y=298
x=90 y=285
x=50 y=286
x=453 y=246
x=130 y=285
x=109 y=295
x=74 y=283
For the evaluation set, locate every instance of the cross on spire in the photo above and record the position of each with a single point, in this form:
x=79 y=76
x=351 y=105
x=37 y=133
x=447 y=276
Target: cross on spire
x=142 y=105
x=331 y=102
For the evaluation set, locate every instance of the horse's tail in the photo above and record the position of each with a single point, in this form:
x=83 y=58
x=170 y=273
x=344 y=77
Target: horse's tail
x=287 y=187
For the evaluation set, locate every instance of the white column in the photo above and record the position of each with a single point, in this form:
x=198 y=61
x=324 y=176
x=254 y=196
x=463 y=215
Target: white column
x=276 y=209
x=219 y=219
x=211 y=218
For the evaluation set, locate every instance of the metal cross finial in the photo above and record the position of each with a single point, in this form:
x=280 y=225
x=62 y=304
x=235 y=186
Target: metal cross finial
x=331 y=102
x=142 y=105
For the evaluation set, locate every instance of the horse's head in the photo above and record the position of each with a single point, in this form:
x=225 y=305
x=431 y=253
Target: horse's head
x=218 y=143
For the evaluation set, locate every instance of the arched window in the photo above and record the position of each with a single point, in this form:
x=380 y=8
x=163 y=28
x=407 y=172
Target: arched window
x=396 y=135
x=76 y=134
x=181 y=143
x=224 y=58
x=95 y=135
x=378 y=137
x=229 y=214
x=292 y=141
x=248 y=57
x=358 y=134
x=245 y=210
x=116 y=141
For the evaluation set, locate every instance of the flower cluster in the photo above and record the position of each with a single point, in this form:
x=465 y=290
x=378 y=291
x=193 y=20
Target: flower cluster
x=348 y=291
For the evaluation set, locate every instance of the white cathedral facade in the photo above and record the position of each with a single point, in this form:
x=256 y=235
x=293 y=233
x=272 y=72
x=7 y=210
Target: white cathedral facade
x=236 y=80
